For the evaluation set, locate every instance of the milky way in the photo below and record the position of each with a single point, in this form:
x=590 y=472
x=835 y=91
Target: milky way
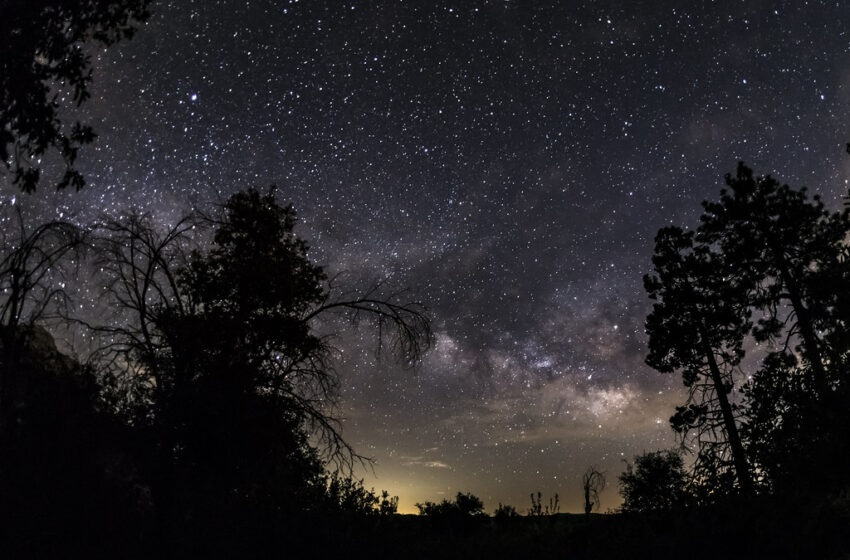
x=509 y=162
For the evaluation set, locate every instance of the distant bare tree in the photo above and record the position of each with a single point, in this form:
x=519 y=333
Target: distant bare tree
x=592 y=483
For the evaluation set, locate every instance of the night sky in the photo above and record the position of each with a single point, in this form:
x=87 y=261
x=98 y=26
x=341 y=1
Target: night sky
x=509 y=162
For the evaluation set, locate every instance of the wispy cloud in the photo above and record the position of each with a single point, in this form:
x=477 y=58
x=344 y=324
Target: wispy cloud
x=424 y=461
x=426 y=464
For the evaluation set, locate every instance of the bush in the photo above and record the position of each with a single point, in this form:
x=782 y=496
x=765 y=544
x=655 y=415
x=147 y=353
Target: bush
x=656 y=482
x=465 y=505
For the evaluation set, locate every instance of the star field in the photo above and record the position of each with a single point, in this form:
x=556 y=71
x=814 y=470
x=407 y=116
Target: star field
x=509 y=162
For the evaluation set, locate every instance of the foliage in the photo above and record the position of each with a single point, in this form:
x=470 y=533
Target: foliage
x=208 y=408
x=787 y=245
x=697 y=326
x=387 y=505
x=656 y=481
x=67 y=465
x=464 y=505
x=767 y=265
x=796 y=253
x=350 y=496
x=505 y=511
x=44 y=66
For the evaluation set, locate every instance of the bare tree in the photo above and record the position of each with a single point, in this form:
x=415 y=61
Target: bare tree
x=592 y=484
x=34 y=268
x=138 y=265
x=255 y=286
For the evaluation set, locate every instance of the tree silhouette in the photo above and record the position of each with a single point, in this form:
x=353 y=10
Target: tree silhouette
x=794 y=251
x=655 y=482
x=698 y=325
x=351 y=497
x=44 y=66
x=592 y=483
x=35 y=264
x=217 y=346
x=784 y=243
x=782 y=422
x=769 y=251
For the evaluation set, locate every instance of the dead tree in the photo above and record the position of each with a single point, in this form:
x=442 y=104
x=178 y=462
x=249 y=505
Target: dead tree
x=592 y=483
x=35 y=267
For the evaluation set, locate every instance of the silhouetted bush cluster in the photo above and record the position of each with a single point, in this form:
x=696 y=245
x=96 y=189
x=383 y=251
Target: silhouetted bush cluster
x=655 y=482
x=464 y=505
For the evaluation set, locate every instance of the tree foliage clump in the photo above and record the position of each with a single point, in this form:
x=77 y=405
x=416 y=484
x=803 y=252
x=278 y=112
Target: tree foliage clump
x=655 y=482
x=207 y=406
x=697 y=326
x=44 y=66
x=65 y=460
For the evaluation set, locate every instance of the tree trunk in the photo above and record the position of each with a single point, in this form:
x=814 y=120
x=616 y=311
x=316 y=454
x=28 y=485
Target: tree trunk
x=738 y=455
x=811 y=348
